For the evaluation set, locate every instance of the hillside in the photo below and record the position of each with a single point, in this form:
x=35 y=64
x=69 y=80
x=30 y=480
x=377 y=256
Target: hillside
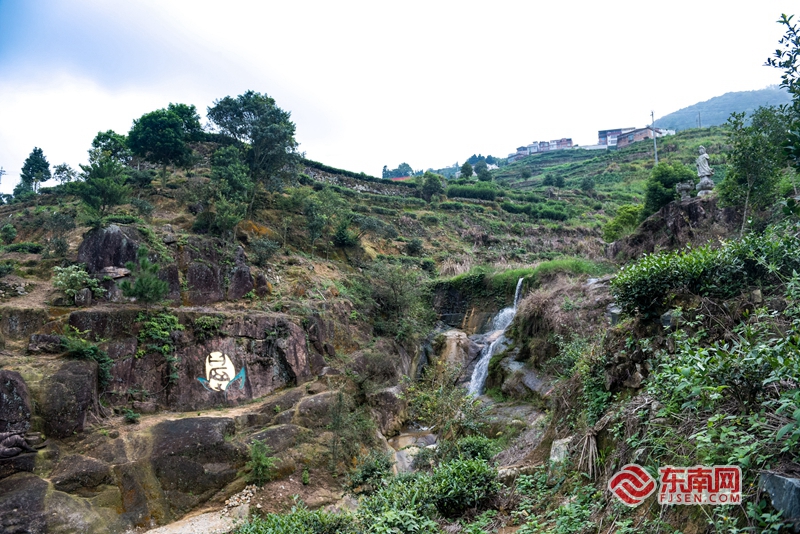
x=715 y=111
x=306 y=349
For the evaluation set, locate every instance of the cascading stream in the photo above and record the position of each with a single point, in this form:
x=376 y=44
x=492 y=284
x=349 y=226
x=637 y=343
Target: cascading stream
x=500 y=323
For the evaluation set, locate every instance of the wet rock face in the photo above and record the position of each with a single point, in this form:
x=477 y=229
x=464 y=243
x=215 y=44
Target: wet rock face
x=78 y=473
x=15 y=403
x=69 y=396
x=192 y=459
x=29 y=506
x=389 y=409
x=108 y=247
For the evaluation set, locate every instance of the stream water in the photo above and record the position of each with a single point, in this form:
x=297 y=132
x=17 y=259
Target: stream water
x=500 y=323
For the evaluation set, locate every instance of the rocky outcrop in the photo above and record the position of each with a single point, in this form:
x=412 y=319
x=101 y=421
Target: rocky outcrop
x=28 y=504
x=192 y=459
x=108 y=247
x=69 y=396
x=20 y=323
x=784 y=493
x=76 y=473
x=272 y=350
x=241 y=281
x=281 y=437
x=15 y=403
x=696 y=221
x=389 y=410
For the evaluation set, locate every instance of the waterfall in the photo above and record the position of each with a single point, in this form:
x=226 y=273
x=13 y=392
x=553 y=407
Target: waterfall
x=500 y=322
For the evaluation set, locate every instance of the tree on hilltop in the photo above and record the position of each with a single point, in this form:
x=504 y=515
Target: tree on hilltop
x=35 y=170
x=466 y=170
x=112 y=145
x=159 y=137
x=265 y=130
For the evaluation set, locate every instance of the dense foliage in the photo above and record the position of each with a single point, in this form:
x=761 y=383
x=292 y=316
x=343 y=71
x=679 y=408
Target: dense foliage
x=755 y=260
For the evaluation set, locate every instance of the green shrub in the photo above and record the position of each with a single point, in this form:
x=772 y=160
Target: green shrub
x=74 y=278
x=624 y=222
x=207 y=326
x=482 y=192
x=414 y=247
x=6 y=268
x=370 y=472
x=131 y=417
x=343 y=237
x=263 y=250
x=477 y=448
x=147 y=287
x=60 y=247
x=25 y=248
x=661 y=186
x=121 y=219
x=510 y=207
x=404 y=504
x=8 y=233
x=143 y=208
x=461 y=484
x=755 y=260
x=261 y=464
x=301 y=520
x=79 y=348
x=451 y=206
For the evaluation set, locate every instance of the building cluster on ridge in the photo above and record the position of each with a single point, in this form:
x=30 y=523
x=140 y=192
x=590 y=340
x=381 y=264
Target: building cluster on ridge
x=615 y=138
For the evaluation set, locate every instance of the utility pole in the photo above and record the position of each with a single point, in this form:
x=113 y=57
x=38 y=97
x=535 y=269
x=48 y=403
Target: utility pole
x=699 y=122
x=653 y=126
x=2 y=172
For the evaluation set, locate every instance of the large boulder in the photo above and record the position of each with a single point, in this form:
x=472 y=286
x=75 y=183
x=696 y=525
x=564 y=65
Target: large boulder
x=171 y=275
x=69 y=396
x=193 y=459
x=22 y=504
x=204 y=283
x=76 y=473
x=315 y=411
x=241 y=282
x=108 y=247
x=281 y=437
x=15 y=403
x=390 y=410
x=784 y=493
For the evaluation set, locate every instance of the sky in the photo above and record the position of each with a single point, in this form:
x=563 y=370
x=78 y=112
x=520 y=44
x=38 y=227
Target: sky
x=371 y=83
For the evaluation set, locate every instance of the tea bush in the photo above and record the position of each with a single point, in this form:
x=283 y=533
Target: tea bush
x=755 y=260
x=461 y=484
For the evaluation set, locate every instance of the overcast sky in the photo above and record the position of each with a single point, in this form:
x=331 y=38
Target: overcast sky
x=374 y=83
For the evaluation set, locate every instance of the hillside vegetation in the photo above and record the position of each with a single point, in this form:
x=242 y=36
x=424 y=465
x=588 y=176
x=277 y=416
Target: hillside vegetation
x=193 y=322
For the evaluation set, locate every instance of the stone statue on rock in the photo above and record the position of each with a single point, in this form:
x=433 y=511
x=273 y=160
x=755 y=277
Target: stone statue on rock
x=704 y=172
